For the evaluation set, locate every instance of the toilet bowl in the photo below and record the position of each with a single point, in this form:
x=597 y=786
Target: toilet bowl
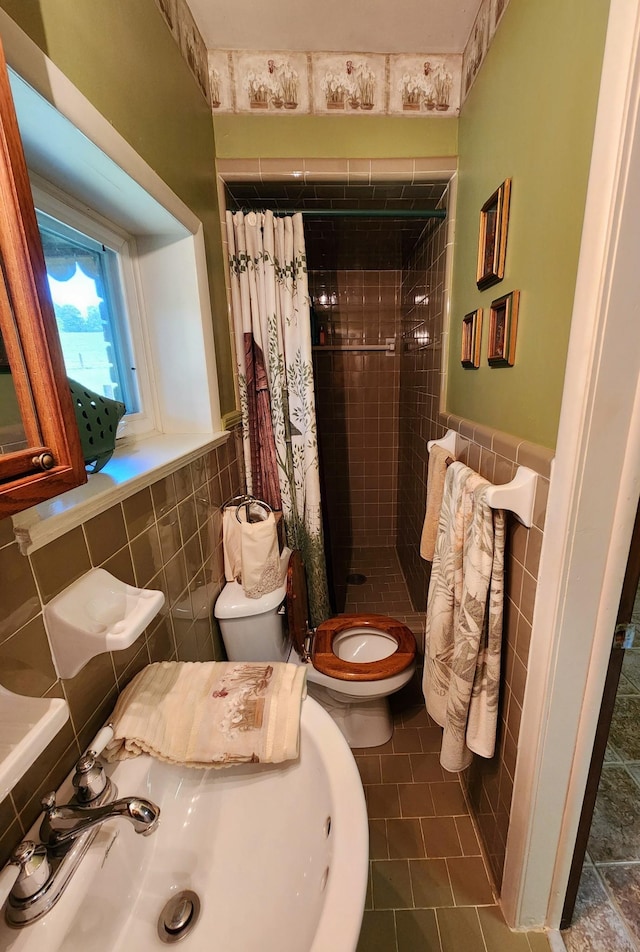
x=354 y=662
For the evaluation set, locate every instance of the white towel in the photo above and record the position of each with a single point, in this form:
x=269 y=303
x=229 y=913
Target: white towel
x=231 y=544
x=461 y=679
x=210 y=714
x=438 y=458
x=260 y=557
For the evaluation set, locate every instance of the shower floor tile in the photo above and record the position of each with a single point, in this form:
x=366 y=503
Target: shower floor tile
x=384 y=592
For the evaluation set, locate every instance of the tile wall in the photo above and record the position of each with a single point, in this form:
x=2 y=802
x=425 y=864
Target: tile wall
x=357 y=410
x=422 y=310
x=167 y=536
x=495 y=455
x=489 y=783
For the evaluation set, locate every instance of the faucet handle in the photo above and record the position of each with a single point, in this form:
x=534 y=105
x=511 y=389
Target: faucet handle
x=101 y=739
x=33 y=869
x=48 y=802
x=89 y=780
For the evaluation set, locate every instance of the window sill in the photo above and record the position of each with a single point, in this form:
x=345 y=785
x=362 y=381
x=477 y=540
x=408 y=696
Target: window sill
x=131 y=468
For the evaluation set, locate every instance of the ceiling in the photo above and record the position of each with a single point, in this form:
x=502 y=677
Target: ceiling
x=355 y=26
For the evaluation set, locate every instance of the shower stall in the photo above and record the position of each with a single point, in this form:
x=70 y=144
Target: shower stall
x=376 y=268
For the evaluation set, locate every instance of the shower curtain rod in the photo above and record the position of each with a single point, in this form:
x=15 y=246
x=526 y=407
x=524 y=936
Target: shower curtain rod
x=356 y=212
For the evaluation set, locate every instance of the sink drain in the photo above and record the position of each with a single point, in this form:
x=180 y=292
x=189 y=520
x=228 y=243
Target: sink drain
x=179 y=916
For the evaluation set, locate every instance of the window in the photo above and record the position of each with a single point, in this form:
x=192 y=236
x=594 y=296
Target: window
x=163 y=264
x=93 y=286
x=85 y=288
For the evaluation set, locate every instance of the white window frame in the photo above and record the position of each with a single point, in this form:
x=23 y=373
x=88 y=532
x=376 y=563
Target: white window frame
x=65 y=208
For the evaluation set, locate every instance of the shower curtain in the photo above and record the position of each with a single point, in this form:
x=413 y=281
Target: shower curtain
x=271 y=317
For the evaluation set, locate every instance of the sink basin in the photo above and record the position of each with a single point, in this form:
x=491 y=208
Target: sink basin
x=276 y=854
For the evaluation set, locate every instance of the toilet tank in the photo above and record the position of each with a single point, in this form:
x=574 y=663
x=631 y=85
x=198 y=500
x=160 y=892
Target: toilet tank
x=252 y=629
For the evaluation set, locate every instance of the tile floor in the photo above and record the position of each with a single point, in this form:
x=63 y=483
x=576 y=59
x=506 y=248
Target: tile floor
x=607 y=914
x=428 y=886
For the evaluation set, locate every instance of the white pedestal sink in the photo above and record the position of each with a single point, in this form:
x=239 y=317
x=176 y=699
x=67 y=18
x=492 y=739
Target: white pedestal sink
x=277 y=856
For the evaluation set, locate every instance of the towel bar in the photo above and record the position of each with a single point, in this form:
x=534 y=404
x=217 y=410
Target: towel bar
x=518 y=496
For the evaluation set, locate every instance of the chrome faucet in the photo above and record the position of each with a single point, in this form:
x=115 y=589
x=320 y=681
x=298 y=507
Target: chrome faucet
x=37 y=874
x=63 y=824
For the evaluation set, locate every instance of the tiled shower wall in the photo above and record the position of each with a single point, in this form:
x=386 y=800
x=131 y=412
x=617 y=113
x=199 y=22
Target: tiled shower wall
x=167 y=536
x=357 y=410
x=422 y=309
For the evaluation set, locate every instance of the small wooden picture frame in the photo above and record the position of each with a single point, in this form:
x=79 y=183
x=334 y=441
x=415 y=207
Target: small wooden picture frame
x=471 y=339
x=492 y=242
x=503 y=326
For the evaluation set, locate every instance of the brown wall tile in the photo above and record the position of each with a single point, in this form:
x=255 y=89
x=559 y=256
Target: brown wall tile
x=60 y=563
x=422 y=326
x=121 y=566
x=25 y=660
x=138 y=512
x=18 y=593
x=28 y=784
x=105 y=534
x=89 y=687
x=164 y=496
x=183 y=483
x=64 y=761
x=126 y=541
x=357 y=413
x=145 y=552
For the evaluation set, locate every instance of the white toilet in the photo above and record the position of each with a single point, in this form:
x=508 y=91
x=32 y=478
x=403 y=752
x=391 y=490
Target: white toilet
x=354 y=661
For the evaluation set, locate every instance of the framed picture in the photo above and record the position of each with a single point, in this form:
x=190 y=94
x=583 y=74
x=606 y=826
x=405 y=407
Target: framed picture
x=492 y=242
x=503 y=325
x=471 y=339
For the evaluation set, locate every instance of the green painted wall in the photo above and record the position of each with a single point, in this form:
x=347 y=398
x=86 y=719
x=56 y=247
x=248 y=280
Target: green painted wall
x=123 y=58
x=529 y=116
x=320 y=137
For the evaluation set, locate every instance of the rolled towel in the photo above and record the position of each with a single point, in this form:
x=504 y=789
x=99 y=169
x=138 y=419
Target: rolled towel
x=210 y=714
x=260 y=557
x=435 y=488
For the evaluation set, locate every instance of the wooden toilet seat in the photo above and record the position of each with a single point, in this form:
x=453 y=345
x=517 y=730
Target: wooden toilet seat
x=322 y=652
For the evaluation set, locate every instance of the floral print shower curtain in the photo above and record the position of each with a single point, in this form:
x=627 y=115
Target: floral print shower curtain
x=271 y=316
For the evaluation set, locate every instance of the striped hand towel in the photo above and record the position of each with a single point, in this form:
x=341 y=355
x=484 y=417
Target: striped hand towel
x=210 y=714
